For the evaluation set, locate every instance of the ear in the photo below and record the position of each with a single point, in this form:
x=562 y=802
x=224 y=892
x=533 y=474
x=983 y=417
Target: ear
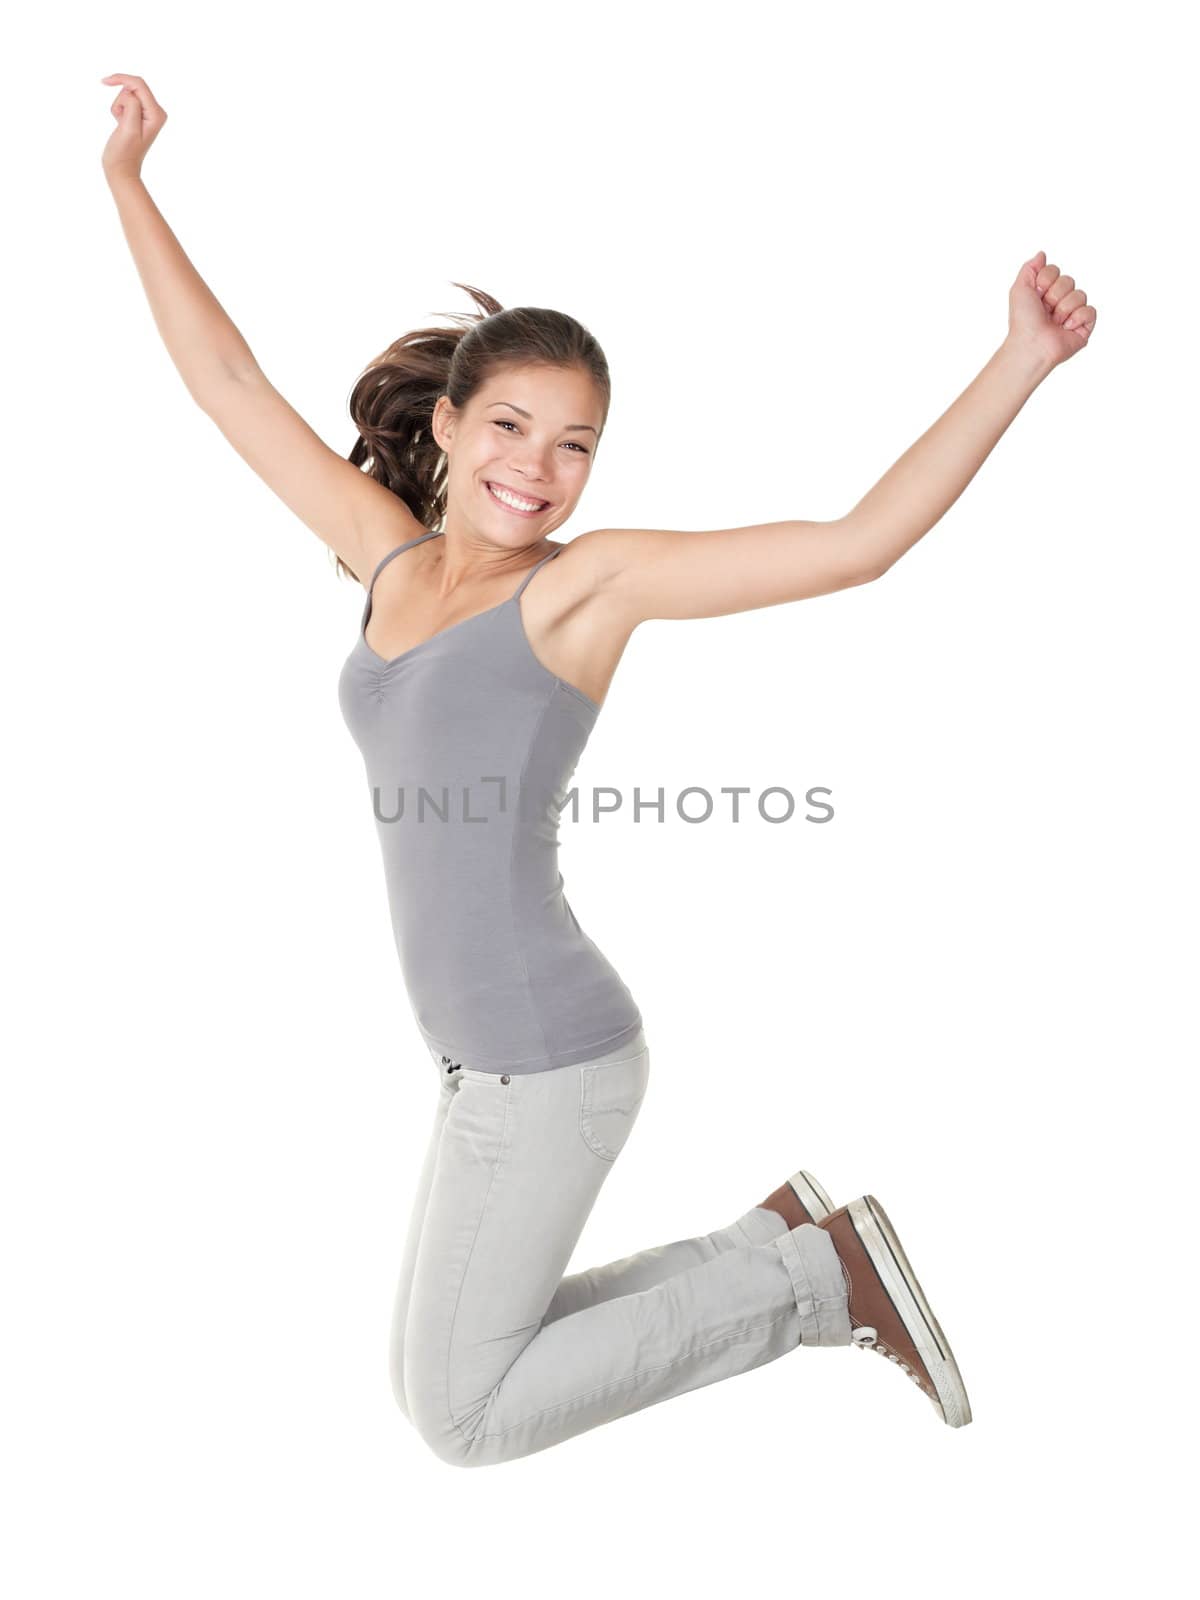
x=441 y=423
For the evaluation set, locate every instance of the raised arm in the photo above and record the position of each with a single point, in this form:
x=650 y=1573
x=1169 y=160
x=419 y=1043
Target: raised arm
x=353 y=514
x=659 y=573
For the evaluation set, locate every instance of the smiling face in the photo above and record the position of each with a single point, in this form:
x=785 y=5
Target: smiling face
x=529 y=433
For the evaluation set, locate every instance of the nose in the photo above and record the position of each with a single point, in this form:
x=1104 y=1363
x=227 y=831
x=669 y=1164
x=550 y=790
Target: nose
x=531 y=462
x=529 y=472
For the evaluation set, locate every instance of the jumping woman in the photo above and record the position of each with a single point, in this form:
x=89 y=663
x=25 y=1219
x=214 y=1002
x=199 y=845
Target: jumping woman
x=481 y=664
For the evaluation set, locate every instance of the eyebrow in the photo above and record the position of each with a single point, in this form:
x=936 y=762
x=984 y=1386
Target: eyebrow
x=572 y=427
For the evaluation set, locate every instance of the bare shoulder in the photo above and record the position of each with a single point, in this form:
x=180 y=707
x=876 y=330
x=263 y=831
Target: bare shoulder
x=592 y=559
x=385 y=524
x=574 y=619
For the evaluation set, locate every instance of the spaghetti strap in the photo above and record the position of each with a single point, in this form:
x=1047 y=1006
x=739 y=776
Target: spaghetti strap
x=534 y=568
x=399 y=550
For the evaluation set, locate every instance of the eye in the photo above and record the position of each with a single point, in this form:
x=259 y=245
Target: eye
x=504 y=422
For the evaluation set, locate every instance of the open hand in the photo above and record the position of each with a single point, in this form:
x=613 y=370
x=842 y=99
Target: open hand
x=1047 y=311
x=139 y=119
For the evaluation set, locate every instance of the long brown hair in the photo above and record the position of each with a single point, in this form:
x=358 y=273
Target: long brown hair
x=392 y=401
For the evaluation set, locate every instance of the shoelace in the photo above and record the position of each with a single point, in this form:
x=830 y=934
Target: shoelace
x=868 y=1339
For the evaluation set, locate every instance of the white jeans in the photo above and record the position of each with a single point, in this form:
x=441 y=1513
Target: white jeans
x=495 y=1354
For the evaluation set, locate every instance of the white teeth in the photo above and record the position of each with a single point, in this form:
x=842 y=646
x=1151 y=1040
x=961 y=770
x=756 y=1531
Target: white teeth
x=514 y=500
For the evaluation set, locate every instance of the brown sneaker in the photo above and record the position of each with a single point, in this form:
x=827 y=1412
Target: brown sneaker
x=801 y=1199
x=813 y=1200
x=888 y=1309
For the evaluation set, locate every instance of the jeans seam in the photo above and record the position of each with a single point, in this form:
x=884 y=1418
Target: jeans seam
x=633 y=1377
x=790 y=1251
x=455 y=1424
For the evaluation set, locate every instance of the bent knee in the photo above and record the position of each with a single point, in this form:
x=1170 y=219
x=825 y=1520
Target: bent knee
x=456 y=1440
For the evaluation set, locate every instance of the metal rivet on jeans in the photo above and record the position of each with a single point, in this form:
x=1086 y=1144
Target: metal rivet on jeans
x=504 y=1079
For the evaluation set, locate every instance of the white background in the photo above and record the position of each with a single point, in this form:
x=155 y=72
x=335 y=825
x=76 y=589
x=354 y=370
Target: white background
x=793 y=230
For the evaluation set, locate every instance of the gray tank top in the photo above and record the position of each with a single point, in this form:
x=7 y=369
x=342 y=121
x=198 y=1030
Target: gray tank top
x=469 y=744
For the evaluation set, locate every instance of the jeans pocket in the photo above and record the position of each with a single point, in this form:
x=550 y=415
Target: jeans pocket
x=610 y=1096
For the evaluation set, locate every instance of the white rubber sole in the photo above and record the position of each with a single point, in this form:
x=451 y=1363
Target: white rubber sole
x=882 y=1244
x=811 y=1195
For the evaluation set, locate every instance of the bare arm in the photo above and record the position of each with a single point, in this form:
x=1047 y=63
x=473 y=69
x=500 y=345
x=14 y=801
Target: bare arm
x=352 y=513
x=657 y=573
x=200 y=337
x=916 y=492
